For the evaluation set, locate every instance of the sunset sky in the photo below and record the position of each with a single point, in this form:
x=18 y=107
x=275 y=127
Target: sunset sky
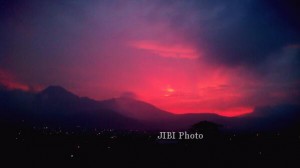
x=192 y=56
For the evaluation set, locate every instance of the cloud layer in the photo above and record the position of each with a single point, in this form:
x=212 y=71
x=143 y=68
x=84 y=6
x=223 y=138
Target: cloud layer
x=216 y=56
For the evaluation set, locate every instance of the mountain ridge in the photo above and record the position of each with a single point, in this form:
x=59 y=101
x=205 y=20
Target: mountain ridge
x=59 y=106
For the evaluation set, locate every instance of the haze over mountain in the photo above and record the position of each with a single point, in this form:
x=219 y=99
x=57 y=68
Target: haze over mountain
x=58 y=107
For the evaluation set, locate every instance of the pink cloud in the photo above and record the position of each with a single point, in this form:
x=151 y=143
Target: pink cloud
x=169 y=51
x=8 y=80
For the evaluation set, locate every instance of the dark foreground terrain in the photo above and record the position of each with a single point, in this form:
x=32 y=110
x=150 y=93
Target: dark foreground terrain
x=24 y=146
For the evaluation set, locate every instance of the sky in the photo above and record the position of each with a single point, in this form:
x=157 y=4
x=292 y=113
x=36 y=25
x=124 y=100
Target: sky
x=192 y=56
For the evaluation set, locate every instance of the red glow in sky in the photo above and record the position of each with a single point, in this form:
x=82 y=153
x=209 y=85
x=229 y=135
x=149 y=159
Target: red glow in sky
x=180 y=56
x=8 y=81
x=175 y=82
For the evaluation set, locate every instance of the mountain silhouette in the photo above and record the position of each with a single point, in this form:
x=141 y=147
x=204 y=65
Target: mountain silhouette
x=58 y=94
x=59 y=107
x=136 y=109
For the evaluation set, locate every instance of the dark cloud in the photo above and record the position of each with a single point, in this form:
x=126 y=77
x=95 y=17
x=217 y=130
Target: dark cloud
x=263 y=37
x=59 y=42
x=240 y=33
x=232 y=33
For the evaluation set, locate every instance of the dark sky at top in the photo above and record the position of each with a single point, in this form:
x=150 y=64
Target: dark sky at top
x=225 y=57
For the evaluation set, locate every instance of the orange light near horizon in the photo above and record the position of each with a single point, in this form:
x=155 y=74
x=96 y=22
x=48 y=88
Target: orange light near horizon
x=168 y=91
